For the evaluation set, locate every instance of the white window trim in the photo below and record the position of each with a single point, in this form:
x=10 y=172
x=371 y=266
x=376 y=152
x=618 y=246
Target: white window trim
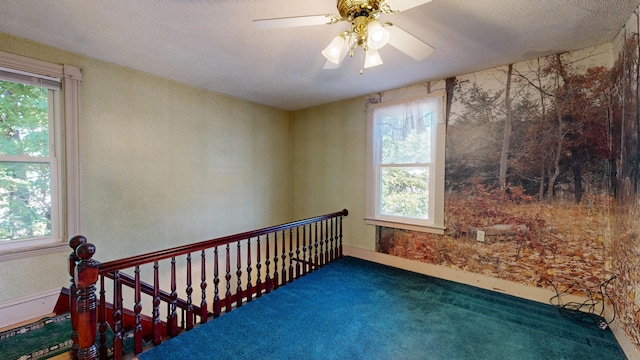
x=69 y=153
x=436 y=221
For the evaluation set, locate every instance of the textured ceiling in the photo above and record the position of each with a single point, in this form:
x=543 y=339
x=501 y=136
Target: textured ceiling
x=213 y=44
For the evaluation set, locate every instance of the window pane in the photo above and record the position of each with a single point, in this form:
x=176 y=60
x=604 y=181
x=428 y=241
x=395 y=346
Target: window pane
x=25 y=200
x=24 y=120
x=405 y=192
x=406 y=139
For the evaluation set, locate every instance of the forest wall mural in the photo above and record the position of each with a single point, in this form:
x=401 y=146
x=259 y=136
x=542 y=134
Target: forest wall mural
x=543 y=156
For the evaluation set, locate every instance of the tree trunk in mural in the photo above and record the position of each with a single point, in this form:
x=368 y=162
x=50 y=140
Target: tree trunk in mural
x=577 y=174
x=558 y=152
x=543 y=107
x=559 y=74
x=450 y=83
x=636 y=161
x=507 y=132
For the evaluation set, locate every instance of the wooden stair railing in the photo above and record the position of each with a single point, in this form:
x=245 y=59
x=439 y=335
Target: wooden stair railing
x=264 y=260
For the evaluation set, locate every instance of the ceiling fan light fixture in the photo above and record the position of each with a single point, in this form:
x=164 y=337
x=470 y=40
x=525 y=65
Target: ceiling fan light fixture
x=372 y=58
x=366 y=31
x=334 y=49
x=378 y=35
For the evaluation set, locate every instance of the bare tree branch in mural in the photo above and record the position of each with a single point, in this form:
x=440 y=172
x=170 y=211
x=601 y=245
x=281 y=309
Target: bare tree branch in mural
x=555 y=129
x=539 y=134
x=473 y=145
x=570 y=138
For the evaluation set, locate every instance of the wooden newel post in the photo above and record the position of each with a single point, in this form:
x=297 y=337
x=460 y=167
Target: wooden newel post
x=73 y=244
x=86 y=276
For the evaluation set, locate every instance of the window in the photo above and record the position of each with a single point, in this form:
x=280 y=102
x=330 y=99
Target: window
x=39 y=190
x=405 y=179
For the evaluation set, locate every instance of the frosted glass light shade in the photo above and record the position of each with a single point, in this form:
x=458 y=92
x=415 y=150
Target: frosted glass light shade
x=372 y=59
x=332 y=52
x=378 y=36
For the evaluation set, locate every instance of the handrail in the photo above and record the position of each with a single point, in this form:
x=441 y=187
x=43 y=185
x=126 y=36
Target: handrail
x=260 y=261
x=129 y=262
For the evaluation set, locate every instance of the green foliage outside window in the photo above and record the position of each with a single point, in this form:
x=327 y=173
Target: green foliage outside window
x=406 y=142
x=405 y=192
x=25 y=180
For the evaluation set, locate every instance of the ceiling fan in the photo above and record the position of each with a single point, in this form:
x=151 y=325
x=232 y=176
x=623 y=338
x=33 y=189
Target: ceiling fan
x=366 y=30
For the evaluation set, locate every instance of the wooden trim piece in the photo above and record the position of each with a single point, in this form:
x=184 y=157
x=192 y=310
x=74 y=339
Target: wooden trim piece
x=28 y=307
x=23 y=63
x=21 y=253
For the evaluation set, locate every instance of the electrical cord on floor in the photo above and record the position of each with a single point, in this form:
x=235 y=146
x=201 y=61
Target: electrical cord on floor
x=584 y=313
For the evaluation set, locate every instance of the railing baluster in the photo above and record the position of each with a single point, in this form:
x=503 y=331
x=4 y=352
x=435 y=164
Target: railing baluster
x=258 y=267
x=227 y=277
x=103 y=325
x=316 y=264
x=117 y=316
x=298 y=270
x=267 y=270
x=284 y=259
x=137 y=308
x=276 y=276
x=249 y=286
x=157 y=324
x=291 y=274
x=332 y=254
x=304 y=250
x=204 y=315
x=189 y=291
x=340 y=238
x=217 y=307
x=239 y=276
x=172 y=321
x=325 y=239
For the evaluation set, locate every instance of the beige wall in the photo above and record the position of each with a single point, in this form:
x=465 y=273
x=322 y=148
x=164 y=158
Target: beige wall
x=329 y=166
x=163 y=164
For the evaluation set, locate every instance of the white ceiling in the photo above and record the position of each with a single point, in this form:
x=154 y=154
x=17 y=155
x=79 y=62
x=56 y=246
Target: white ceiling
x=213 y=44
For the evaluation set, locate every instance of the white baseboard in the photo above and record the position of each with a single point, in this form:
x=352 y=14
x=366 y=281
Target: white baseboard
x=625 y=343
x=28 y=307
x=489 y=283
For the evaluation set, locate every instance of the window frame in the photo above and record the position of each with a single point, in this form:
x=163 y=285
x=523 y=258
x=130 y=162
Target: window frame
x=65 y=169
x=435 y=223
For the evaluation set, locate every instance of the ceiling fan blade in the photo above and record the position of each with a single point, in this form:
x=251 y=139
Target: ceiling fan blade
x=408 y=43
x=402 y=5
x=295 y=21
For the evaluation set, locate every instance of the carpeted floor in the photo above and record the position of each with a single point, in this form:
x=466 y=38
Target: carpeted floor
x=40 y=340
x=354 y=309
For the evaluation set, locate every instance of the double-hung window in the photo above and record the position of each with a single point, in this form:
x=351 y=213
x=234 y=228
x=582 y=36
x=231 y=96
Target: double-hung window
x=406 y=164
x=39 y=190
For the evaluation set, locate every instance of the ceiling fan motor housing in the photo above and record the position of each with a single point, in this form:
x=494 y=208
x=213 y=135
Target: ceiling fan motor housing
x=352 y=9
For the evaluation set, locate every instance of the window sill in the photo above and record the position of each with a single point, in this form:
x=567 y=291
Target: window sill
x=433 y=229
x=32 y=251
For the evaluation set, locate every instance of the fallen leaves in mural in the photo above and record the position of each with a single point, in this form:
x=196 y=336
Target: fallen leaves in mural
x=564 y=245
x=626 y=249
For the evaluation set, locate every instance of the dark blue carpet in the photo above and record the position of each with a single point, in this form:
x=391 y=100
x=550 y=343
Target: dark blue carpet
x=355 y=309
